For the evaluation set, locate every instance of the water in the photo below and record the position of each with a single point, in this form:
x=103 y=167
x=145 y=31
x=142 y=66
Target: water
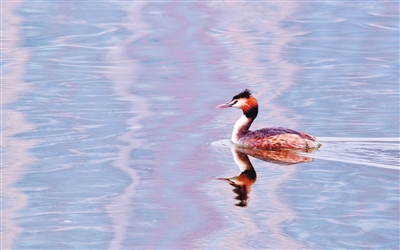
x=110 y=139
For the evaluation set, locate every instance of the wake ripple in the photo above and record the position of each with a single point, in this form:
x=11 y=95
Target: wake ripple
x=375 y=152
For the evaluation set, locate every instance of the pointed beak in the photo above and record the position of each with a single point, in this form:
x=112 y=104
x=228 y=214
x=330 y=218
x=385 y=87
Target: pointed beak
x=222 y=106
x=226 y=105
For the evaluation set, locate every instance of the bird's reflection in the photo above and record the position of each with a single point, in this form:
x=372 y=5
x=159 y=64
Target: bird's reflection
x=243 y=182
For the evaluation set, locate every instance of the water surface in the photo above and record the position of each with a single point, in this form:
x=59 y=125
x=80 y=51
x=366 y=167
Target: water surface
x=111 y=139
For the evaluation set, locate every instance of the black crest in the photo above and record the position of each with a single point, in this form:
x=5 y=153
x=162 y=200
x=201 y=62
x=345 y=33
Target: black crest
x=245 y=94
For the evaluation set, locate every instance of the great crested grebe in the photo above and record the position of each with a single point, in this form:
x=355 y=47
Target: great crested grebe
x=265 y=138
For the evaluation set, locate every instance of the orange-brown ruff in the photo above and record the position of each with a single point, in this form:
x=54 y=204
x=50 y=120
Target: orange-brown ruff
x=266 y=138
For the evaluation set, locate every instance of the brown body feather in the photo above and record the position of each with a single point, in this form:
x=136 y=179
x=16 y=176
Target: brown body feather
x=277 y=138
x=293 y=141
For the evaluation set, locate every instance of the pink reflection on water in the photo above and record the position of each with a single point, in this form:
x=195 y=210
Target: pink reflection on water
x=16 y=158
x=188 y=214
x=122 y=205
x=177 y=206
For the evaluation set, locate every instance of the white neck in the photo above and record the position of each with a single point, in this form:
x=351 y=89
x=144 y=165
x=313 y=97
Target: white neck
x=241 y=159
x=241 y=126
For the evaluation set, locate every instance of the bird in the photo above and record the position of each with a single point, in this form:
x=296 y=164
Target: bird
x=273 y=138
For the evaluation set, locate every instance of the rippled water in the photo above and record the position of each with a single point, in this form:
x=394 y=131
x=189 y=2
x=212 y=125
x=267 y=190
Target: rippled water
x=110 y=139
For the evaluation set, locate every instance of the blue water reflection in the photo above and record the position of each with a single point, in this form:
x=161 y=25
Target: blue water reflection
x=110 y=139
